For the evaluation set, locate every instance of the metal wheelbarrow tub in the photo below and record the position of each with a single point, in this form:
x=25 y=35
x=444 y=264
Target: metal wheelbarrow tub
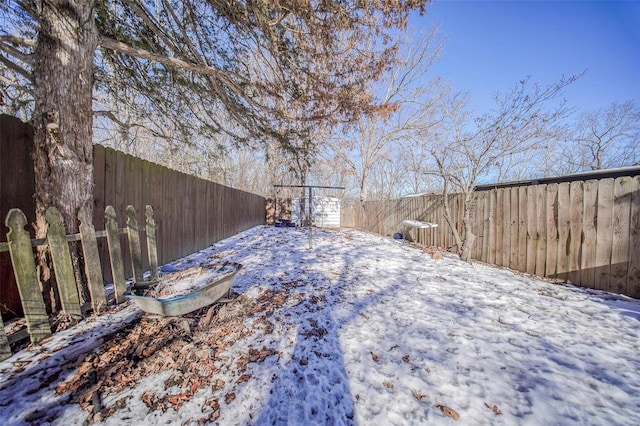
x=185 y=303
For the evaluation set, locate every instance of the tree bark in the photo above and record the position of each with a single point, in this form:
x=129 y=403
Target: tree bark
x=448 y=218
x=464 y=242
x=469 y=237
x=63 y=118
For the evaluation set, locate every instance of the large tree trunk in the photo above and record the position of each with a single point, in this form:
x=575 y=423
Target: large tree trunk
x=63 y=116
x=464 y=242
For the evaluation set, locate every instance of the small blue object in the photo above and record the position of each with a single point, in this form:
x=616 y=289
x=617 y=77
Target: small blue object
x=398 y=236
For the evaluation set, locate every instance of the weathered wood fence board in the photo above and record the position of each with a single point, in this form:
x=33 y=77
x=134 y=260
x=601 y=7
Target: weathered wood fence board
x=575 y=239
x=551 y=248
x=633 y=276
x=487 y=222
x=115 y=253
x=499 y=228
x=511 y=213
x=531 y=229
x=604 y=233
x=62 y=265
x=621 y=230
x=564 y=221
x=93 y=270
x=541 y=231
x=493 y=235
x=522 y=229
x=151 y=243
x=24 y=267
x=589 y=217
x=133 y=236
x=586 y=233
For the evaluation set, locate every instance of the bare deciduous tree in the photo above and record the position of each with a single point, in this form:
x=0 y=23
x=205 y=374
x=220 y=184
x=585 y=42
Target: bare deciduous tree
x=464 y=150
x=606 y=138
x=407 y=102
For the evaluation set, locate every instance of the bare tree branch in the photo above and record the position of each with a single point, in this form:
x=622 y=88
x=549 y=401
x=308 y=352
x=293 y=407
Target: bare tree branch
x=170 y=62
x=16 y=68
x=18 y=40
x=21 y=56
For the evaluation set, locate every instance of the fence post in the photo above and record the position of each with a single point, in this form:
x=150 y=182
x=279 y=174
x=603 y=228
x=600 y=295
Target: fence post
x=24 y=268
x=62 y=266
x=115 y=253
x=152 y=245
x=134 y=244
x=92 y=267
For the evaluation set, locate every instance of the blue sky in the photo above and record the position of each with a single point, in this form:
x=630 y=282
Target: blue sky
x=491 y=45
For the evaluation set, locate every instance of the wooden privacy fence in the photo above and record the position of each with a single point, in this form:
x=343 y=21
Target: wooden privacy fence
x=581 y=232
x=20 y=246
x=193 y=213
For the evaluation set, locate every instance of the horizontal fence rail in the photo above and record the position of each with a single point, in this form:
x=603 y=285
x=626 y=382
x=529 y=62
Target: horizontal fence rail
x=581 y=232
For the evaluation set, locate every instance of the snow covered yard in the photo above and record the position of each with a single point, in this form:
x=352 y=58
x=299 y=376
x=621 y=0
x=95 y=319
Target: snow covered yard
x=358 y=330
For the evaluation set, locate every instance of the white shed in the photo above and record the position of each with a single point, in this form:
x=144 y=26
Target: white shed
x=326 y=211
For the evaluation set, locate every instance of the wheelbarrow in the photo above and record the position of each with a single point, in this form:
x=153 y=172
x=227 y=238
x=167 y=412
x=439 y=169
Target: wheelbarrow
x=196 y=291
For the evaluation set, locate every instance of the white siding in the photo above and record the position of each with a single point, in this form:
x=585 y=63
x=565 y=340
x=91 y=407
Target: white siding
x=326 y=211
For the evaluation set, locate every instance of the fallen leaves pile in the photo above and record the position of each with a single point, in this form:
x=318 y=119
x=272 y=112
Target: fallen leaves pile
x=191 y=346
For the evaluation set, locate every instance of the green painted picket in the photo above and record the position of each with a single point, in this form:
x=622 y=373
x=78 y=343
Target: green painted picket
x=20 y=247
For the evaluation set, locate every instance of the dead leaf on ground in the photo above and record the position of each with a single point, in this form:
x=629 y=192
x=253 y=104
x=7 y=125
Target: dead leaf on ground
x=259 y=355
x=204 y=322
x=493 y=408
x=241 y=365
x=417 y=395
x=448 y=411
x=173 y=380
x=214 y=415
x=178 y=400
x=374 y=357
x=319 y=332
x=243 y=378
x=388 y=385
x=150 y=399
x=405 y=358
x=229 y=397
x=212 y=403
